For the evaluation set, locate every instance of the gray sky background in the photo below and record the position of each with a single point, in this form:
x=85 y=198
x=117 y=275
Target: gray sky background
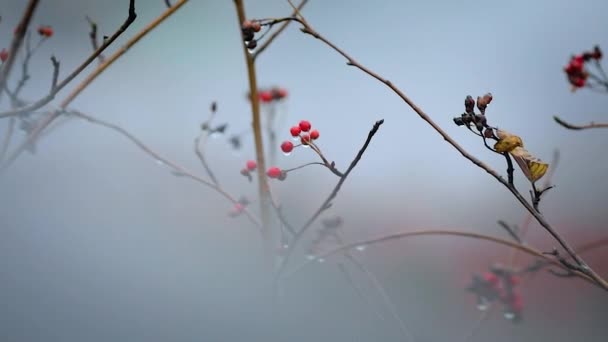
x=99 y=242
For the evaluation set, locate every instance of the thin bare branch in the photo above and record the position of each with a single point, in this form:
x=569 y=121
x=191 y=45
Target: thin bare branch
x=579 y=127
x=396 y=236
x=178 y=169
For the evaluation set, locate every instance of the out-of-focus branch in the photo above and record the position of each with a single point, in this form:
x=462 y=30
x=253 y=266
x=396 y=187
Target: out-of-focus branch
x=16 y=43
x=178 y=169
x=254 y=99
x=579 y=127
x=396 y=236
x=48 y=98
x=86 y=82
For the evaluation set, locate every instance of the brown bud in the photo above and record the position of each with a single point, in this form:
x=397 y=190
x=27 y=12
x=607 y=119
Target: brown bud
x=488 y=133
x=469 y=104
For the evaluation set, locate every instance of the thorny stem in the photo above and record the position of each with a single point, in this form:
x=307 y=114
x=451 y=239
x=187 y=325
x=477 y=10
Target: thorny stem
x=263 y=187
x=307 y=29
x=579 y=127
x=94 y=74
x=178 y=169
x=16 y=43
x=327 y=203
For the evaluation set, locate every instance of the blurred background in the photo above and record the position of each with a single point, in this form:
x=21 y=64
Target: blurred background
x=100 y=243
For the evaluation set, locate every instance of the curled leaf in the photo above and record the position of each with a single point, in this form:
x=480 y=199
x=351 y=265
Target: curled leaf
x=532 y=167
x=507 y=141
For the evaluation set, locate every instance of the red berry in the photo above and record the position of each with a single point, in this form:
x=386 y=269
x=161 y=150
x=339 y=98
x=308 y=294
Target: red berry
x=3 y=55
x=514 y=280
x=295 y=131
x=256 y=26
x=314 y=134
x=305 y=139
x=274 y=172
x=579 y=82
x=491 y=278
x=247 y=24
x=287 y=146
x=251 y=165
x=45 y=31
x=265 y=96
x=517 y=303
x=304 y=126
x=282 y=93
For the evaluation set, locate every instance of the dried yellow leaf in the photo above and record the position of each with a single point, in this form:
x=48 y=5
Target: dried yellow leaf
x=532 y=167
x=507 y=141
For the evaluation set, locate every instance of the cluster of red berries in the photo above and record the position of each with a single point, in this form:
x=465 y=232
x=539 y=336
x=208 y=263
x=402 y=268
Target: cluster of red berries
x=3 y=55
x=303 y=132
x=45 y=31
x=249 y=28
x=273 y=94
x=498 y=285
x=575 y=70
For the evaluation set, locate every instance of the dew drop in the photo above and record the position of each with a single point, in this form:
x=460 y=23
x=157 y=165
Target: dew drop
x=321 y=260
x=216 y=135
x=311 y=257
x=285 y=246
x=509 y=315
x=482 y=304
x=361 y=248
x=287 y=154
x=159 y=162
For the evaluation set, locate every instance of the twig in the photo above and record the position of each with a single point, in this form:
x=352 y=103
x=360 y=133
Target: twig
x=579 y=127
x=16 y=43
x=327 y=203
x=182 y=171
x=93 y=38
x=56 y=65
x=199 y=153
x=276 y=33
x=307 y=29
x=512 y=231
